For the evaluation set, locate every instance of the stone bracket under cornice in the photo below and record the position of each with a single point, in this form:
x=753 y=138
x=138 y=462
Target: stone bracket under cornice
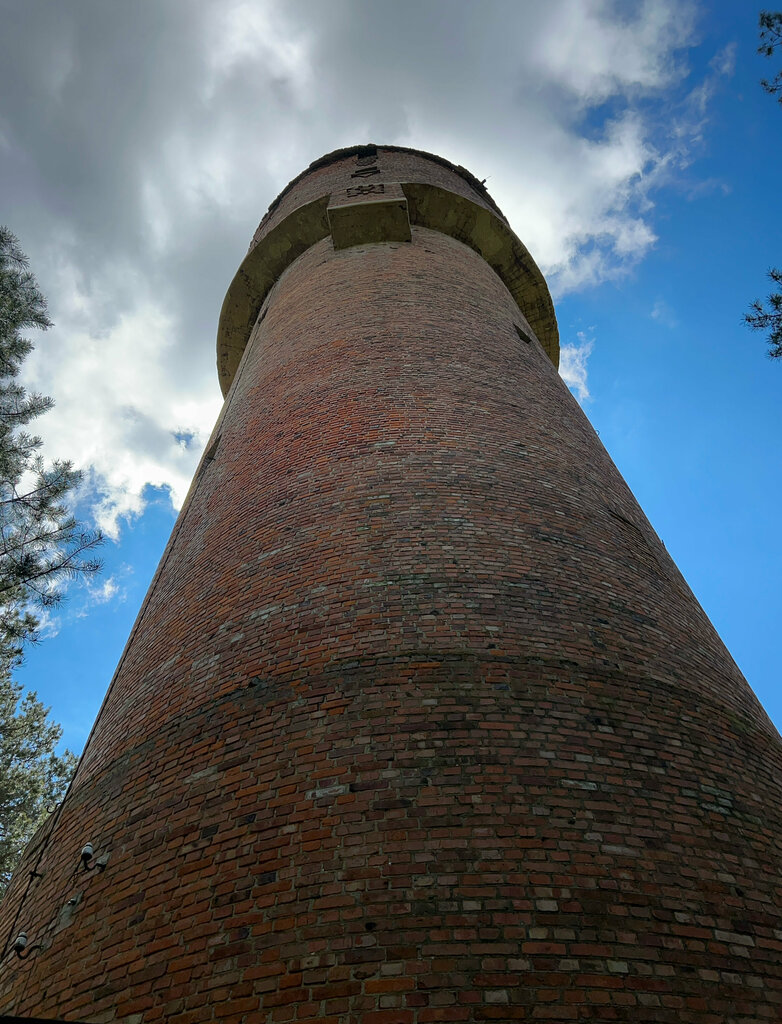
x=364 y=214
x=368 y=218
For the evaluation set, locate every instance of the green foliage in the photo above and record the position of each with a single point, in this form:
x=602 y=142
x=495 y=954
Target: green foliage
x=32 y=777
x=768 y=317
x=41 y=547
x=41 y=544
x=770 y=39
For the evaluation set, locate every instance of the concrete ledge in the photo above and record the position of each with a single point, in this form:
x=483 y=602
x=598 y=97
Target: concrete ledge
x=255 y=277
x=363 y=221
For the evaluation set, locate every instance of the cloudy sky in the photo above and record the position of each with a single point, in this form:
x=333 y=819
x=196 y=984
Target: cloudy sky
x=629 y=144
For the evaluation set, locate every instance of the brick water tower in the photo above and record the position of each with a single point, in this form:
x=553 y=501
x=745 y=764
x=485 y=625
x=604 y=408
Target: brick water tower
x=418 y=721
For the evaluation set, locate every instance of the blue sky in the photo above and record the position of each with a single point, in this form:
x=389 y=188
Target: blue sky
x=630 y=145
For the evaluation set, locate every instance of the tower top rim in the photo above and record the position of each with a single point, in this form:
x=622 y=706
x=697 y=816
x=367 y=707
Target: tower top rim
x=341 y=154
x=448 y=199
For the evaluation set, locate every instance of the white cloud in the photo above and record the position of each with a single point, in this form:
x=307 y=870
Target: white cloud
x=81 y=596
x=49 y=623
x=663 y=314
x=119 y=408
x=573 y=365
x=139 y=169
x=107 y=591
x=100 y=591
x=584 y=219
x=241 y=32
x=724 y=61
x=594 y=52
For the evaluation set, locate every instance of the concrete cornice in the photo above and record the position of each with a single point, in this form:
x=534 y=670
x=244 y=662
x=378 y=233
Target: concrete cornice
x=429 y=206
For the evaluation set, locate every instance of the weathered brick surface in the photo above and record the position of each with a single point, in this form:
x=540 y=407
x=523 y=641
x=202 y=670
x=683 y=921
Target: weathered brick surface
x=419 y=722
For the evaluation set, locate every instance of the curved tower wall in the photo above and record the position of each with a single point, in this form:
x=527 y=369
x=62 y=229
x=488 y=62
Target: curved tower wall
x=418 y=720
